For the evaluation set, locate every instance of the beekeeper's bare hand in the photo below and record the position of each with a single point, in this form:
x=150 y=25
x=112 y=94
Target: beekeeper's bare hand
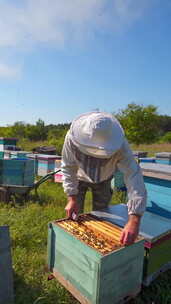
x=131 y=230
x=71 y=206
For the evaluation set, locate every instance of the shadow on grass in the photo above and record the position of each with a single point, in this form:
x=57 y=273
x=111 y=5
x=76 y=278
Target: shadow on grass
x=27 y=294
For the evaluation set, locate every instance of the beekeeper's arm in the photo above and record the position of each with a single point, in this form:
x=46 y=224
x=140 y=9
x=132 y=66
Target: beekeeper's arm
x=136 y=192
x=70 y=182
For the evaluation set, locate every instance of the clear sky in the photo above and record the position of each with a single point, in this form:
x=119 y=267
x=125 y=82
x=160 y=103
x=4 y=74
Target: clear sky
x=60 y=58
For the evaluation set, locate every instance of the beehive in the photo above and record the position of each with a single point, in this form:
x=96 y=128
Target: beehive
x=156 y=231
x=16 y=172
x=163 y=155
x=87 y=258
x=118 y=181
x=157 y=180
x=8 y=143
x=147 y=160
x=1 y=154
x=43 y=163
x=58 y=176
x=138 y=154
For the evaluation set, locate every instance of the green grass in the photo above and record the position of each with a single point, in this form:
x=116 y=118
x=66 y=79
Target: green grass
x=28 y=230
x=153 y=148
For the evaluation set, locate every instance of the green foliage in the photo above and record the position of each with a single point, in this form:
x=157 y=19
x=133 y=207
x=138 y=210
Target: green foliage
x=165 y=124
x=56 y=138
x=166 y=138
x=140 y=123
x=31 y=136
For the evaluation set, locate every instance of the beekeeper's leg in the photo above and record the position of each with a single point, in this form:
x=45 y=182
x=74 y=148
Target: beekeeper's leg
x=82 y=189
x=102 y=194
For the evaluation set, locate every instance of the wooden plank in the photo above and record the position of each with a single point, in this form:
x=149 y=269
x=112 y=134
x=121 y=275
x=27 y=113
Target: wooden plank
x=75 y=261
x=71 y=288
x=156 y=175
x=166 y=155
x=124 y=265
x=6 y=276
x=156 y=170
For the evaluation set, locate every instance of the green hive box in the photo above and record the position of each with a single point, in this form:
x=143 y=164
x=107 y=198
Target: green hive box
x=157 y=258
x=16 y=172
x=91 y=277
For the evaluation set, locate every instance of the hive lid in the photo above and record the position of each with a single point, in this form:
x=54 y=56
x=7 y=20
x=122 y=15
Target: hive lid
x=163 y=155
x=152 y=226
x=153 y=167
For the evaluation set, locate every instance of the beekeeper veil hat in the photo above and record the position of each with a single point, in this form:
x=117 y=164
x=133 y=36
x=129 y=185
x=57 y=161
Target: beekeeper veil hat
x=98 y=134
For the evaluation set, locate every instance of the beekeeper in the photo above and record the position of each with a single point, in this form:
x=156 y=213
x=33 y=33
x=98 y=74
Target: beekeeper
x=95 y=148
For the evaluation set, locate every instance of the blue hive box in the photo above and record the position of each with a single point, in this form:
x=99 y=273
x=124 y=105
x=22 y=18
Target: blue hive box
x=157 y=180
x=16 y=172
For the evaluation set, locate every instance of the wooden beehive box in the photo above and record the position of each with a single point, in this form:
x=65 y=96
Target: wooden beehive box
x=87 y=258
x=1 y=154
x=147 y=160
x=163 y=155
x=19 y=154
x=157 y=178
x=138 y=154
x=8 y=143
x=16 y=172
x=34 y=157
x=45 y=163
x=118 y=181
x=156 y=231
x=58 y=176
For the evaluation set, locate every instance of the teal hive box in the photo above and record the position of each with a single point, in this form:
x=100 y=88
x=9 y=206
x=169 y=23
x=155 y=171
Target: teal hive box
x=91 y=277
x=157 y=178
x=7 y=143
x=156 y=231
x=44 y=163
x=1 y=154
x=19 y=154
x=118 y=181
x=16 y=172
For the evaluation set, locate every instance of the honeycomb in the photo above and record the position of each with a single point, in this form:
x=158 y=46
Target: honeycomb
x=98 y=234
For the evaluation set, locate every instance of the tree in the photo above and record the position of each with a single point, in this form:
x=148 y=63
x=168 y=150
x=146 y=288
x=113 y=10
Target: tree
x=165 y=124
x=141 y=124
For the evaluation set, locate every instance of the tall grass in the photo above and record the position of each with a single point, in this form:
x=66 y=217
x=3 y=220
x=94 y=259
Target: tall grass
x=153 y=148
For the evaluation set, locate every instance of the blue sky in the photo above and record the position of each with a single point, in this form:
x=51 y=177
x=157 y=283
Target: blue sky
x=60 y=58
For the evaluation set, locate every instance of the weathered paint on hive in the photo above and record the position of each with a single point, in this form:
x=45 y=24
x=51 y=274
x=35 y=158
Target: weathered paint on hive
x=159 y=193
x=16 y=172
x=75 y=261
x=43 y=163
x=89 y=272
